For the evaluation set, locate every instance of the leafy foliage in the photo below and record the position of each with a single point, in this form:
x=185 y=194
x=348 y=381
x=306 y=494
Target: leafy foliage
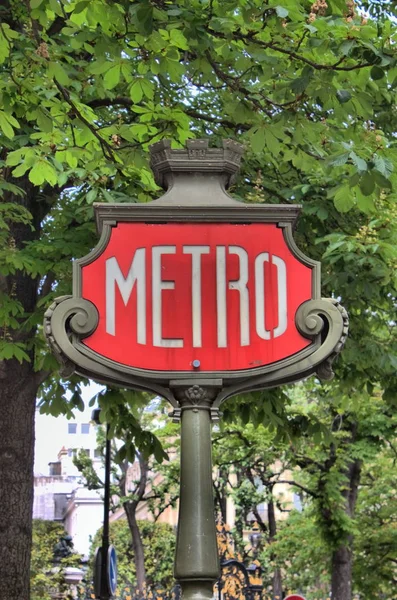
x=45 y=576
x=340 y=461
x=159 y=548
x=45 y=535
x=139 y=482
x=85 y=87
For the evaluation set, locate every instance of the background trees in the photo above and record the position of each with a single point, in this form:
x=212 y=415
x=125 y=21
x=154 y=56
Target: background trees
x=46 y=574
x=87 y=86
x=158 y=547
x=139 y=480
x=340 y=533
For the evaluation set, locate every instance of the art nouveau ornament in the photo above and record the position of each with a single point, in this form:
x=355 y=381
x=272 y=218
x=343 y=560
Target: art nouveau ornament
x=196 y=297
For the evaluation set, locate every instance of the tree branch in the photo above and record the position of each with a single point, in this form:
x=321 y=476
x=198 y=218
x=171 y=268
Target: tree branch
x=298 y=485
x=47 y=284
x=106 y=147
x=250 y=36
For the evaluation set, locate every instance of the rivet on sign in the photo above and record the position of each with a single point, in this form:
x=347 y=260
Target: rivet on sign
x=196 y=363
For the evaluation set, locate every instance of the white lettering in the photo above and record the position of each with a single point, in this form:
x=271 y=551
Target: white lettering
x=260 y=308
x=196 y=252
x=137 y=273
x=282 y=295
x=157 y=286
x=221 y=296
x=137 y=277
x=241 y=286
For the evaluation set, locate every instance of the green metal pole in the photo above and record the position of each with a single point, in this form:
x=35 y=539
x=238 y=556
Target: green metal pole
x=196 y=561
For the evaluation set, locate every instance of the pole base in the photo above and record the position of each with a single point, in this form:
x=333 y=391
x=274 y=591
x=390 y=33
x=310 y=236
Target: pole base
x=197 y=590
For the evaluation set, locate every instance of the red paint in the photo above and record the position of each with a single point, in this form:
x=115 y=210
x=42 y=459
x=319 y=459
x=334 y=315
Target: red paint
x=294 y=597
x=177 y=305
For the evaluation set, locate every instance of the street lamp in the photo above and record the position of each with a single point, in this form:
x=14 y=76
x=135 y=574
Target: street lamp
x=255 y=539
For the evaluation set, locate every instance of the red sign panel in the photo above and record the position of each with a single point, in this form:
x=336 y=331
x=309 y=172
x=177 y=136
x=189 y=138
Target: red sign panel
x=294 y=597
x=196 y=296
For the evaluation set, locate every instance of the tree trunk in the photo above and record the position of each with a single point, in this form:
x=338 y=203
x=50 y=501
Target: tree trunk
x=137 y=546
x=341 y=582
x=17 y=410
x=342 y=557
x=18 y=389
x=277 y=581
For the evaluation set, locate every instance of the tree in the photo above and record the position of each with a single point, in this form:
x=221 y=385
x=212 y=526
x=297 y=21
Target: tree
x=45 y=535
x=250 y=465
x=305 y=553
x=87 y=86
x=335 y=467
x=138 y=478
x=46 y=573
x=340 y=462
x=158 y=546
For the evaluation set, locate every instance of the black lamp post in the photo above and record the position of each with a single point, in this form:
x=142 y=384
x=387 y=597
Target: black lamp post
x=255 y=539
x=103 y=587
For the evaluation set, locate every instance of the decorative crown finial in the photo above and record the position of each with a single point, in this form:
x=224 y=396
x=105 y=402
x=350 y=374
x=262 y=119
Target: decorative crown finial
x=196 y=157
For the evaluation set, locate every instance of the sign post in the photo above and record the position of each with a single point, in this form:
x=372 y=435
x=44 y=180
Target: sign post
x=196 y=297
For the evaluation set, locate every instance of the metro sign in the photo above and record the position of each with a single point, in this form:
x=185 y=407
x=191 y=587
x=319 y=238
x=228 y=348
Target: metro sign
x=196 y=296
x=196 y=286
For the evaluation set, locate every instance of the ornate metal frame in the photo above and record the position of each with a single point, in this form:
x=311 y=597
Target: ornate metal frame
x=196 y=180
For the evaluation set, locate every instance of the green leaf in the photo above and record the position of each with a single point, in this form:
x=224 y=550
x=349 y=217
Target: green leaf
x=9 y=350
x=112 y=77
x=272 y=142
x=92 y=194
x=377 y=73
x=343 y=96
x=81 y=6
x=56 y=71
x=15 y=157
x=147 y=88
x=365 y=203
x=20 y=170
x=43 y=171
x=35 y=3
x=299 y=85
x=367 y=184
x=5 y=125
x=343 y=199
x=381 y=181
x=257 y=140
x=71 y=159
x=143 y=17
x=359 y=162
x=346 y=47
x=281 y=12
x=136 y=91
x=108 y=197
x=44 y=122
x=383 y=165
x=178 y=39
x=339 y=159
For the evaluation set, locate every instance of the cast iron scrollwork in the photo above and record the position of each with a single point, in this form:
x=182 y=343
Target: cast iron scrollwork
x=328 y=317
x=72 y=316
x=195 y=397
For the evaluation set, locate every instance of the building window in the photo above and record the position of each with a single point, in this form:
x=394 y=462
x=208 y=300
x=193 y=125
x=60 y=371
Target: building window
x=72 y=452
x=85 y=451
x=97 y=453
x=85 y=428
x=72 y=427
x=55 y=469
